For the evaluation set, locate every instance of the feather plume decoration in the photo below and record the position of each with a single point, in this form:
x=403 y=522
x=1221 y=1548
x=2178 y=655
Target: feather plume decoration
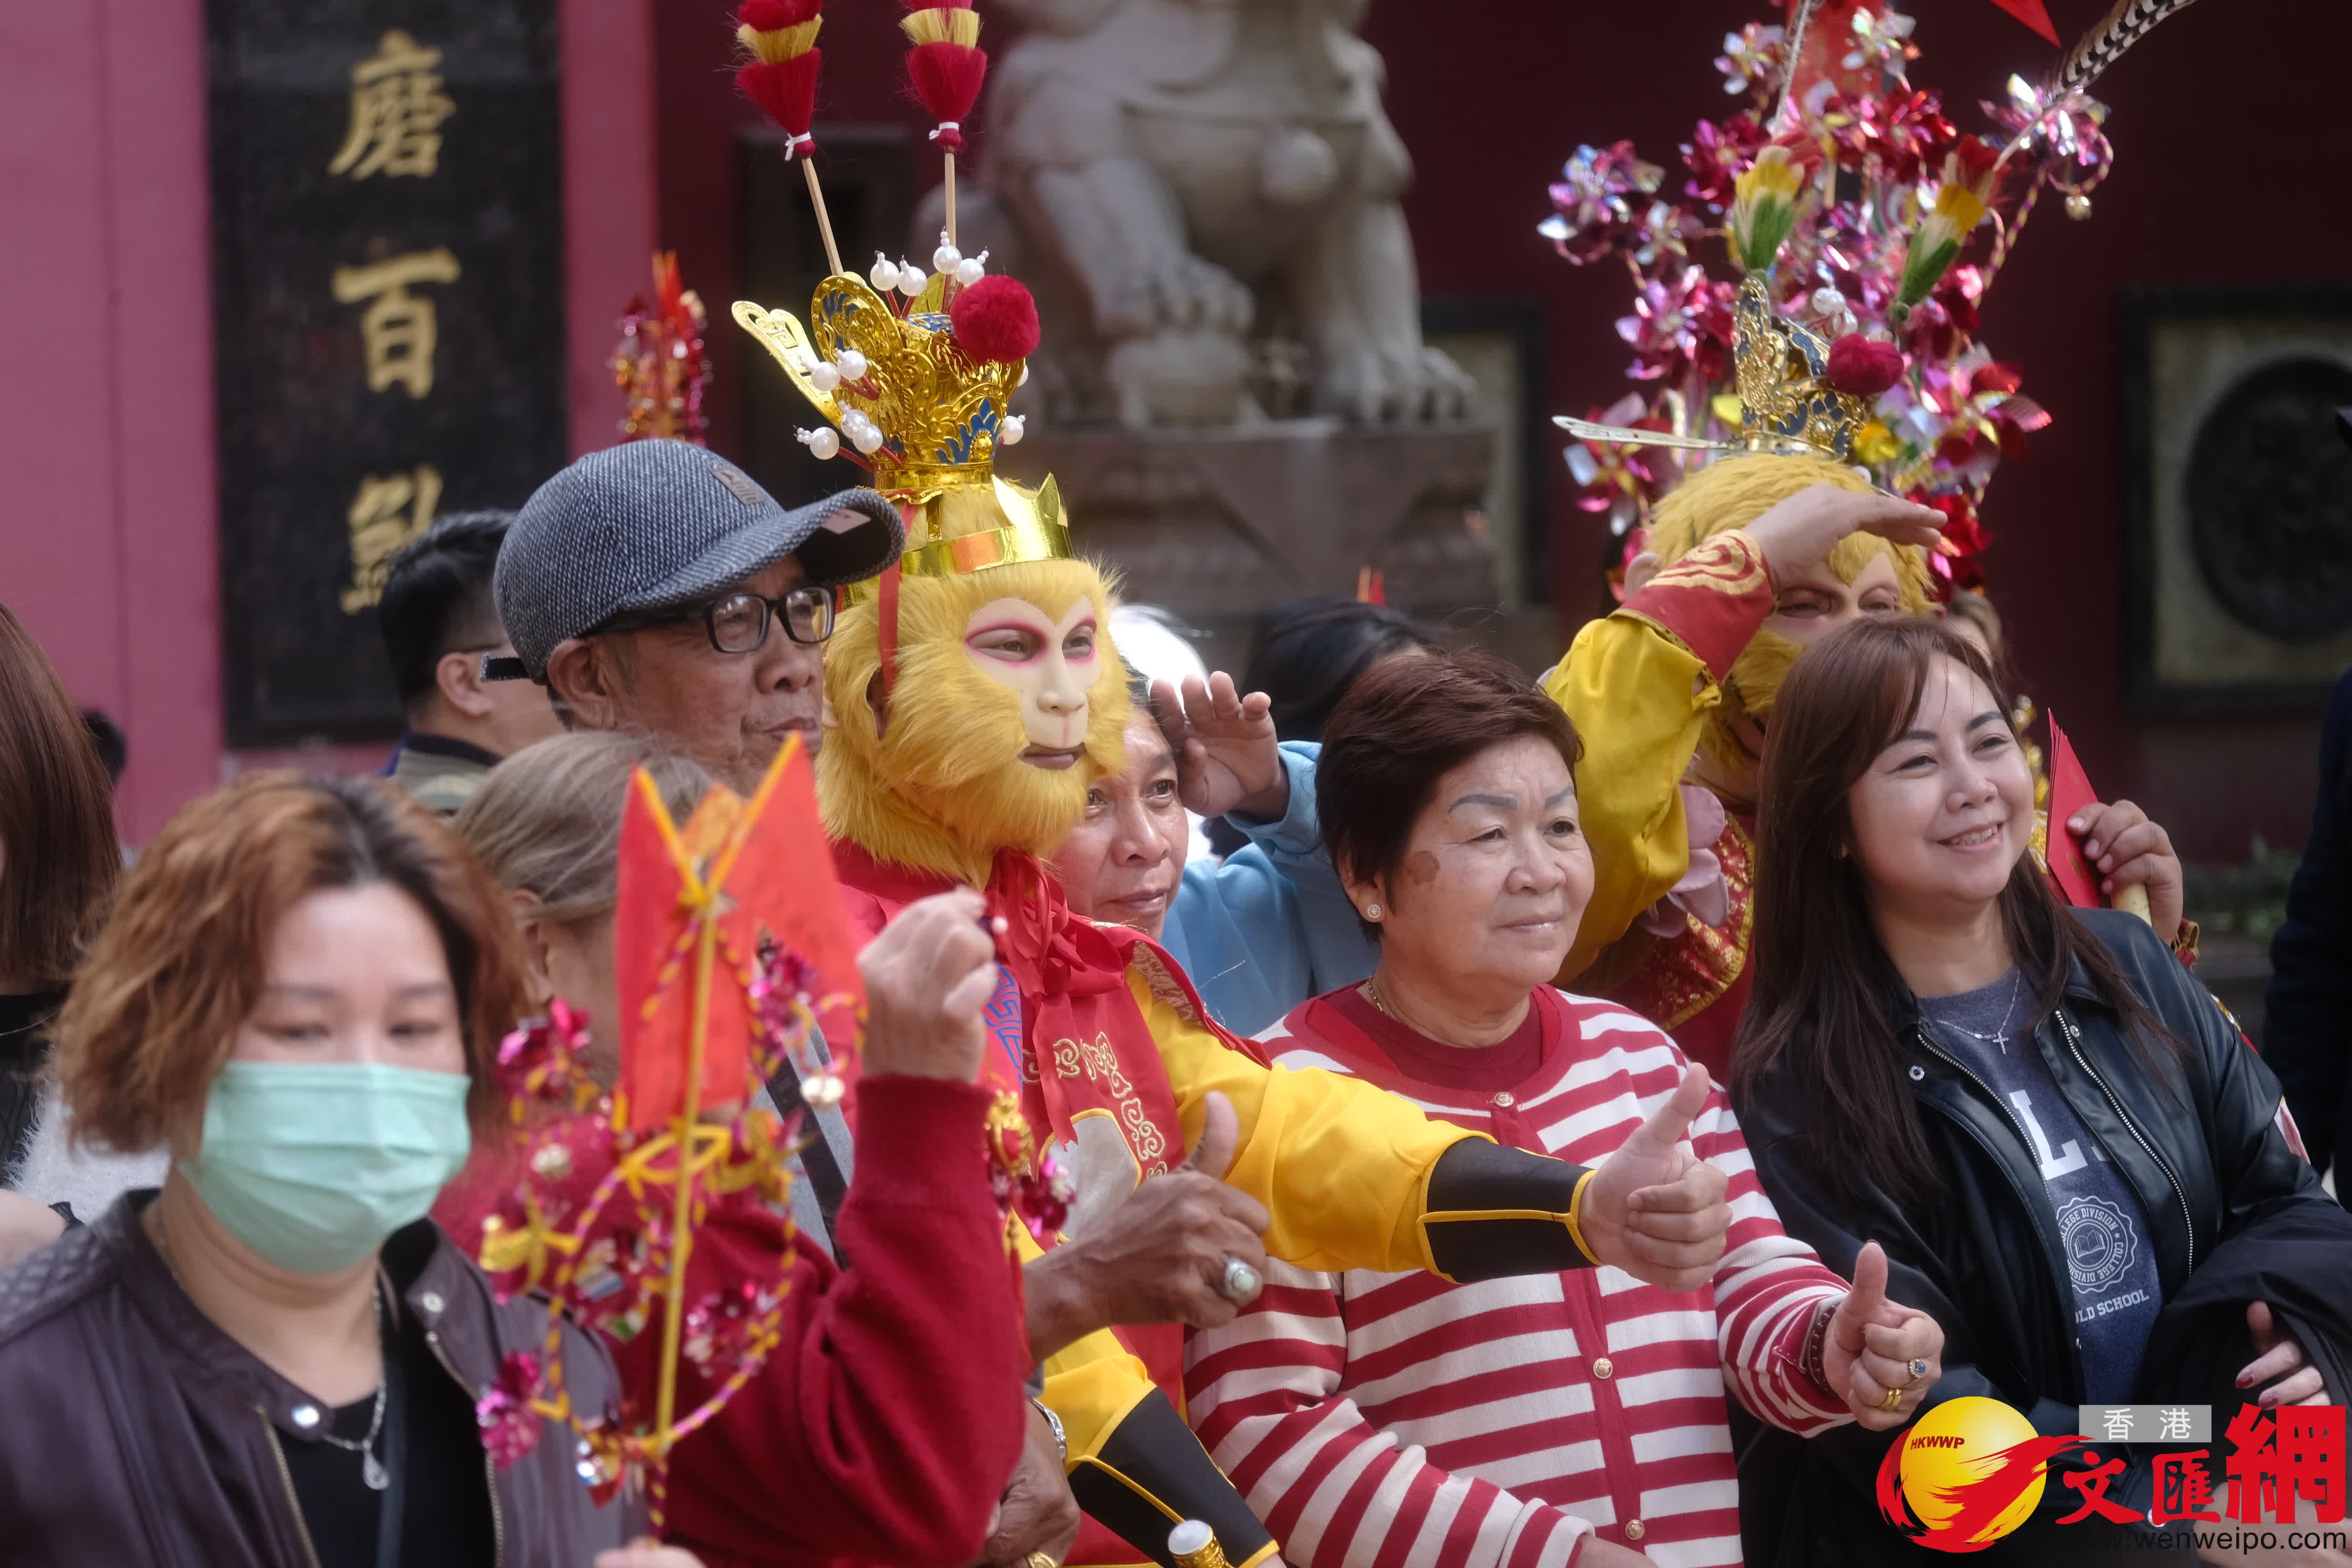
x=2127 y=23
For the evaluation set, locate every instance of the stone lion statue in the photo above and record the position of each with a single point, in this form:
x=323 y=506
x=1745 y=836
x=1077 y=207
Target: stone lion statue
x=1203 y=195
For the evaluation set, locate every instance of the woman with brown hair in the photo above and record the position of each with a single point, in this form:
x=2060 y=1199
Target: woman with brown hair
x=58 y=866
x=1549 y=1417
x=274 y=1360
x=2067 y=1155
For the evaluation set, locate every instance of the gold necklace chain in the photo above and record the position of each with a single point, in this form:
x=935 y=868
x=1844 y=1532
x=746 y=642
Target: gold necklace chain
x=1372 y=994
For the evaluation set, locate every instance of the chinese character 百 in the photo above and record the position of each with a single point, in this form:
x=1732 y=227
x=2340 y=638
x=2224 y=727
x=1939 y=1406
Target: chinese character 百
x=2252 y=1467
x=386 y=514
x=2182 y=1489
x=2175 y=1428
x=397 y=107
x=2093 y=1485
x=2119 y=1422
x=400 y=329
x=2311 y=1459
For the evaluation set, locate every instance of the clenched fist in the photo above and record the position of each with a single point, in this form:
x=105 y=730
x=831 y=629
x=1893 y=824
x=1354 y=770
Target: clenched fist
x=928 y=977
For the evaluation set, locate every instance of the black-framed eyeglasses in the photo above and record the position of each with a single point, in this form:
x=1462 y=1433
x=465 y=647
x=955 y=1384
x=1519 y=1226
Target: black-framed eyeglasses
x=738 y=622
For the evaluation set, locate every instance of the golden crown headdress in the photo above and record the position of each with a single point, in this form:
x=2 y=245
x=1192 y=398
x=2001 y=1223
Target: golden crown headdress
x=1786 y=402
x=913 y=373
x=917 y=393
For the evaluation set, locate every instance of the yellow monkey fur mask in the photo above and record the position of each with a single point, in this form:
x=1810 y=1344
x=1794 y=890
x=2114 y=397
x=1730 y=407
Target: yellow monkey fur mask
x=1732 y=492
x=935 y=779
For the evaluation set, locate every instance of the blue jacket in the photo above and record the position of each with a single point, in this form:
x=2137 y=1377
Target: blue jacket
x=1270 y=926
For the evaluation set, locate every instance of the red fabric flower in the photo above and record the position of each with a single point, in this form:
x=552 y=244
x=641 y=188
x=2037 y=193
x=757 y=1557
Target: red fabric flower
x=510 y=1425
x=1864 y=367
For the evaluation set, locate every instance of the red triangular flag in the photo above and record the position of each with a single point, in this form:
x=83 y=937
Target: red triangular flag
x=773 y=872
x=652 y=960
x=2033 y=13
x=2070 y=792
x=782 y=886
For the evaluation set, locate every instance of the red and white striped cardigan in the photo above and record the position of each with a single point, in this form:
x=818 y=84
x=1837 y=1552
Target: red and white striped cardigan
x=1379 y=1420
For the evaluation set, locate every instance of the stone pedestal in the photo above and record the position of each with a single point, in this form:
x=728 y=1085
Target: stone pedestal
x=1218 y=525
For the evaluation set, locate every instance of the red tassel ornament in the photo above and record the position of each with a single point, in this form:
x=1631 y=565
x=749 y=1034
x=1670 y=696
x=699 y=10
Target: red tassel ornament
x=781 y=74
x=945 y=67
x=780 y=77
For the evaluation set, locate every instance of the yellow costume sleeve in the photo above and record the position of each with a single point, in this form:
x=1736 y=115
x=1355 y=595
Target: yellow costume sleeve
x=1640 y=684
x=1133 y=1463
x=1343 y=1167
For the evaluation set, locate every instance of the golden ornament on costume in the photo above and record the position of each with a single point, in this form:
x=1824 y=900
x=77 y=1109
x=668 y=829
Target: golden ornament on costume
x=1786 y=403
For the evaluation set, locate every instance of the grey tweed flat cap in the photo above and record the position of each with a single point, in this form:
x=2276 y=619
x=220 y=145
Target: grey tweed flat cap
x=652 y=523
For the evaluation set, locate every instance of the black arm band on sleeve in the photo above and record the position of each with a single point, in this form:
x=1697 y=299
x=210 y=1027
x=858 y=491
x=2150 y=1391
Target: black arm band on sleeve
x=1495 y=1212
x=1150 y=1475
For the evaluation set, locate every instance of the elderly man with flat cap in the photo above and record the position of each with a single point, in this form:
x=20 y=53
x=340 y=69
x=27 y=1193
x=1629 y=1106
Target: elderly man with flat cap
x=655 y=586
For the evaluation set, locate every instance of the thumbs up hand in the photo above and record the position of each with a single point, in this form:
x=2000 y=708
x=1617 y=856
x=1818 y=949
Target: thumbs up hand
x=1654 y=1208
x=1878 y=1347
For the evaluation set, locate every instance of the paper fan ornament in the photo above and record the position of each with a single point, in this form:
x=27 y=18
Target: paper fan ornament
x=663 y=364
x=1866 y=229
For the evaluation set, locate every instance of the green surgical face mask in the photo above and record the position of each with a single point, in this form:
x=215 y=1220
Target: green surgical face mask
x=313 y=1165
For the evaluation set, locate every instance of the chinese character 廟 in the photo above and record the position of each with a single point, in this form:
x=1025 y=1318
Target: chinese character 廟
x=400 y=329
x=397 y=107
x=386 y=514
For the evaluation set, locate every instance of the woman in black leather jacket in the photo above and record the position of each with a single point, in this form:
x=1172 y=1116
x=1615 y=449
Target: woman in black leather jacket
x=2046 y=1124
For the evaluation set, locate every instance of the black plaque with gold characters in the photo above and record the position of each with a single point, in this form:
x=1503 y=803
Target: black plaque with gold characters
x=388 y=317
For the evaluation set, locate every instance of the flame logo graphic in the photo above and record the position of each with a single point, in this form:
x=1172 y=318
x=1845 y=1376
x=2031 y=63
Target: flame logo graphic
x=1969 y=1473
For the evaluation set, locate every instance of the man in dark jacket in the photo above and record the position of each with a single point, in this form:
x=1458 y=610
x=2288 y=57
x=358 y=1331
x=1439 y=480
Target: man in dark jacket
x=438 y=621
x=2307 y=1016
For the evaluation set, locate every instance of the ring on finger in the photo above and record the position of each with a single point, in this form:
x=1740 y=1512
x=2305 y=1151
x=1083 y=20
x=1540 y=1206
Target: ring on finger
x=1240 y=1283
x=1891 y=1400
x=1918 y=1371
x=1040 y=1559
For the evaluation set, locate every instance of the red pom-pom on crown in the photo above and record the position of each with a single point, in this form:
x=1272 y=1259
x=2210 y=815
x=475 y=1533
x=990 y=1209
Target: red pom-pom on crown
x=995 y=321
x=1862 y=367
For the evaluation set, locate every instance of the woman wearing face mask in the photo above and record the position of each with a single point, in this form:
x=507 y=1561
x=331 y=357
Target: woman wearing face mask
x=1535 y=1418
x=2065 y=1151
x=884 y=1427
x=273 y=1361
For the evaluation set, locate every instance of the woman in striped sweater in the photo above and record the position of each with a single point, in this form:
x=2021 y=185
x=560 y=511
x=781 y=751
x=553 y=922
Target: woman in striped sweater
x=1554 y=1419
